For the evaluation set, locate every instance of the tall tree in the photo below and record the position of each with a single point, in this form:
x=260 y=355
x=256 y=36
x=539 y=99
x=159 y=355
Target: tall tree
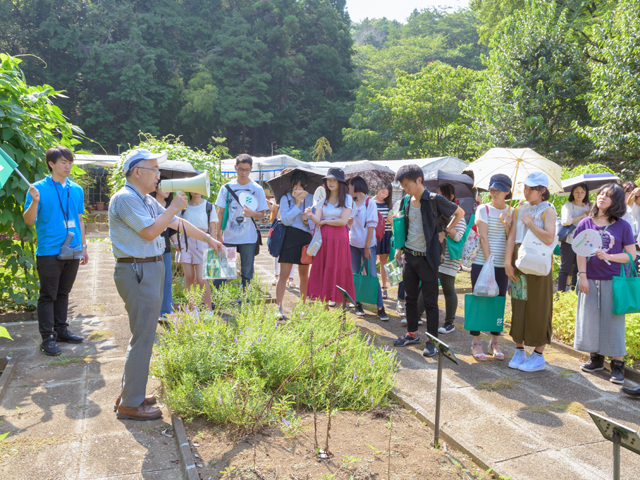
x=533 y=93
x=614 y=101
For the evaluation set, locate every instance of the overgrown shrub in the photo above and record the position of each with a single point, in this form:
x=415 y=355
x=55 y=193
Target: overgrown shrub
x=564 y=324
x=30 y=124
x=177 y=150
x=228 y=370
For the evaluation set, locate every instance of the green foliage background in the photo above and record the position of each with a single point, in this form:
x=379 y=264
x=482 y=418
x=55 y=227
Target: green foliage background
x=30 y=123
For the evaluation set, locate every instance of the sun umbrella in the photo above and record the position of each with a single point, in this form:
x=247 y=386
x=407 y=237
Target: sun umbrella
x=282 y=184
x=517 y=164
x=593 y=181
x=461 y=183
x=377 y=176
x=177 y=169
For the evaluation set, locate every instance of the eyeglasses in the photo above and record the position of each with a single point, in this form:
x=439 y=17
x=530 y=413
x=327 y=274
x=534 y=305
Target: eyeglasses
x=408 y=186
x=244 y=170
x=155 y=169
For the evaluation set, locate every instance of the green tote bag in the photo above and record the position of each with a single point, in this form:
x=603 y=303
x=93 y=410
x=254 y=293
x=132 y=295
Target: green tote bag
x=626 y=292
x=366 y=287
x=399 y=226
x=484 y=314
x=455 y=248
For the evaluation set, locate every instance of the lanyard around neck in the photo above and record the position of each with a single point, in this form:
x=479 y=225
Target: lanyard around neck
x=64 y=215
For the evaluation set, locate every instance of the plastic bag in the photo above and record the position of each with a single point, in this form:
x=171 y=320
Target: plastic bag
x=316 y=243
x=486 y=285
x=471 y=247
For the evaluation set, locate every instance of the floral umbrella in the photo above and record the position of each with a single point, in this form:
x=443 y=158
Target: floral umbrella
x=377 y=176
x=517 y=164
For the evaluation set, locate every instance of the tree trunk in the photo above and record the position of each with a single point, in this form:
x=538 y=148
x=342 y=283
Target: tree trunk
x=244 y=136
x=254 y=141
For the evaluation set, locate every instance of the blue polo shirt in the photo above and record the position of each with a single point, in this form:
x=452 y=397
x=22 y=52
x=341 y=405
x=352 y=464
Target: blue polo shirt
x=56 y=203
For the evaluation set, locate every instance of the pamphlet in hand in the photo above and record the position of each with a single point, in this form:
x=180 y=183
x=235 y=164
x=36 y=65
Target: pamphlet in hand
x=394 y=272
x=519 y=288
x=220 y=266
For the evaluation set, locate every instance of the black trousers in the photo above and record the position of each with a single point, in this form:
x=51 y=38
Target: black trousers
x=56 y=281
x=568 y=267
x=417 y=269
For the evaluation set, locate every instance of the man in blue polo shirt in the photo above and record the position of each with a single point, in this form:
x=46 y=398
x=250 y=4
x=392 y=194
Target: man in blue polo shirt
x=56 y=205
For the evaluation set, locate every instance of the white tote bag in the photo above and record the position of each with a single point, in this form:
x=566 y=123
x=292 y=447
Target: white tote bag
x=535 y=257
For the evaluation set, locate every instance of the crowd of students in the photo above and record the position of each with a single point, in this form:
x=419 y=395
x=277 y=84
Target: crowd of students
x=347 y=221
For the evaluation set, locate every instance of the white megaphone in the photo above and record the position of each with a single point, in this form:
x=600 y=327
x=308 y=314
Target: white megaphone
x=198 y=184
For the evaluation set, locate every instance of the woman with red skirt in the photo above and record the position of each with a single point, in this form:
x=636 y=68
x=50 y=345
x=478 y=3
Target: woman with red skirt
x=331 y=267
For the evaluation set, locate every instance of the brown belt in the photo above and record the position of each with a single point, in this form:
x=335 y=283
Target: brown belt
x=140 y=260
x=414 y=253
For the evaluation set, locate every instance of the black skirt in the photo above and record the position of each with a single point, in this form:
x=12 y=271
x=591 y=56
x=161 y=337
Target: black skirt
x=294 y=240
x=384 y=246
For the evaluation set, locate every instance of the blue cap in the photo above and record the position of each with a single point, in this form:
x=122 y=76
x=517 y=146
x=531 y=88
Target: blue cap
x=501 y=182
x=537 y=179
x=139 y=154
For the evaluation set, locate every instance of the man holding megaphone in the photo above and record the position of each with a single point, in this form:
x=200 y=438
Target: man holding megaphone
x=136 y=222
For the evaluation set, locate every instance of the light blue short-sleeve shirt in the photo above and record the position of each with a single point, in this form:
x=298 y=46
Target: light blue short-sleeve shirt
x=129 y=213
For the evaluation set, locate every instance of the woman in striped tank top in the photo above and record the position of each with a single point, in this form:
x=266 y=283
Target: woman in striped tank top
x=493 y=221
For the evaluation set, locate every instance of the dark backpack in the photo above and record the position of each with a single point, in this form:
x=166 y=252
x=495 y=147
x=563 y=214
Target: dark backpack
x=208 y=209
x=381 y=221
x=275 y=240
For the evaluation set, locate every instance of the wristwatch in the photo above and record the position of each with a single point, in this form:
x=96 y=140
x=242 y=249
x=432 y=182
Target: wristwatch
x=84 y=246
x=206 y=239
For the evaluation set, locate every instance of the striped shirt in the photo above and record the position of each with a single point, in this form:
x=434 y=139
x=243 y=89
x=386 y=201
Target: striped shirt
x=536 y=211
x=497 y=234
x=129 y=213
x=450 y=267
x=384 y=211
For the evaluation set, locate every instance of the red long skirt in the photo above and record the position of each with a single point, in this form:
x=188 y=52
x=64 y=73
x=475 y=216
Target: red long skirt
x=331 y=267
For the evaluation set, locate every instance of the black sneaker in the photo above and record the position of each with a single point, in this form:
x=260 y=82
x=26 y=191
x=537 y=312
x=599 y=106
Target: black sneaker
x=595 y=363
x=406 y=340
x=65 y=336
x=50 y=347
x=447 y=328
x=429 y=350
x=359 y=311
x=617 y=372
x=382 y=315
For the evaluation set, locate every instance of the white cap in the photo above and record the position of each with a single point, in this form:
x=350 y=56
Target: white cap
x=134 y=156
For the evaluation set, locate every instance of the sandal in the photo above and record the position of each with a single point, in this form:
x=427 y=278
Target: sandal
x=292 y=285
x=275 y=281
x=496 y=355
x=478 y=356
x=384 y=293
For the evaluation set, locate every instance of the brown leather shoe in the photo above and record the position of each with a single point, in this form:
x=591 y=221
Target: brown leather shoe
x=148 y=400
x=143 y=412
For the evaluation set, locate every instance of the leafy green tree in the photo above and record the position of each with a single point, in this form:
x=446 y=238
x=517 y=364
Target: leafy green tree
x=533 y=93
x=614 y=101
x=419 y=117
x=30 y=124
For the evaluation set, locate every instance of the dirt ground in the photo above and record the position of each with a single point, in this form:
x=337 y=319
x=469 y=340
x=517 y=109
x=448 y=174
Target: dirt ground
x=359 y=445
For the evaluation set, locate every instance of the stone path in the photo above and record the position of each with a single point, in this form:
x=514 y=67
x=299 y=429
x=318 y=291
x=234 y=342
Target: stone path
x=59 y=411
x=528 y=426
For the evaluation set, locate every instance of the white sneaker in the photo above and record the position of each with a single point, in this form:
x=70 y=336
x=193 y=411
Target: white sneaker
x=518 y=359
x=280 y=314
x=292 y=284
x=403 y=321
x=332 y=304
x=534 y=363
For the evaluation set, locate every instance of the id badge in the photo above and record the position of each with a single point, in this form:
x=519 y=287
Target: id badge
x=69 y=224
x=161 y=243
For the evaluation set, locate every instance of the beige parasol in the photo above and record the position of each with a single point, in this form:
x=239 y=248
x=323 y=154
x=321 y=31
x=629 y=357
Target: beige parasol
x=517 y=164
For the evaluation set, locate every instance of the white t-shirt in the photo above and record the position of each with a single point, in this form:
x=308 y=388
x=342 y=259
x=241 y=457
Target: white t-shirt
x=333 y=212
x=497 y=234
x=197 y=216
x=240 y=229
x=364 y=216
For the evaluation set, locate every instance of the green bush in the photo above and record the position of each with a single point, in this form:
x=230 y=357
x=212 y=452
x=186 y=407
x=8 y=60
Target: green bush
x=30 y=123
x=564 y=325
x=177 y=150
x=251 y=370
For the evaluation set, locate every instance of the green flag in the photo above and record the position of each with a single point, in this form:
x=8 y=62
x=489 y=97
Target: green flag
x=7 y=166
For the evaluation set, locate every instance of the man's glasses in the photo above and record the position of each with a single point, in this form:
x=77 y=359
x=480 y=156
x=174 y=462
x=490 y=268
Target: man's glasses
x=407 y=186
x=155 y=169
x=244 y=170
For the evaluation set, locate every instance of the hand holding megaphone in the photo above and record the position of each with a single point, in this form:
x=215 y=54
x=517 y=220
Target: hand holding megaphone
x=180 y=200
